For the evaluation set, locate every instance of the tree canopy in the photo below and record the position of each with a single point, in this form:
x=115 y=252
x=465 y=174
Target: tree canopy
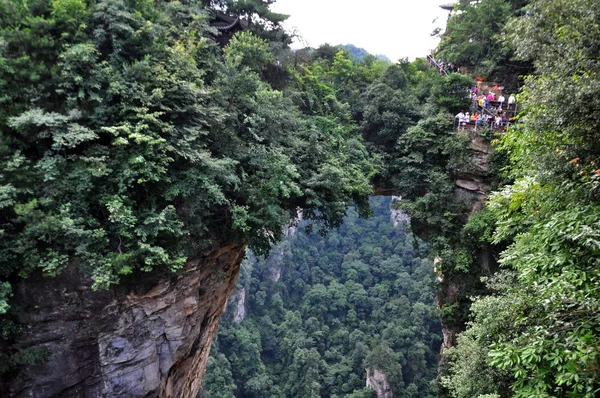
x=536 y=335
x=127 y=139
x=320 y=310
x=473 y=37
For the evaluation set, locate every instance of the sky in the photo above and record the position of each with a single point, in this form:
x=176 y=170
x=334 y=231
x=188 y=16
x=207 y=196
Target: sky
x=395 y=28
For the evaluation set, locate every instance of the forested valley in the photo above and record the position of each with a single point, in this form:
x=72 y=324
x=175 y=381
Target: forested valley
x=138 y=135
x=321 y=310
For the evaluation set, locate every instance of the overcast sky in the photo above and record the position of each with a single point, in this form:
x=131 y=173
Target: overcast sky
x=395 y=28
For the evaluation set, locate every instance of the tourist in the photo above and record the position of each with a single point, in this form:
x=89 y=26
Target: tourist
x=479 y=120
x=511 y=101
x=459 y=118
x=498 y=121
x=501 y=100
x=488 y=101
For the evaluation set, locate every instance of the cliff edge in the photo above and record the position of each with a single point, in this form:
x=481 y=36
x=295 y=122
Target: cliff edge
x=150 y=341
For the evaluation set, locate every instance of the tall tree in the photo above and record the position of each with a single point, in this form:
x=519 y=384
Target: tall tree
x=472 y=37
x=262 y=20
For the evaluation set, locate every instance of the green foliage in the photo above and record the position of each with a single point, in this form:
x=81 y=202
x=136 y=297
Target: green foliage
x=408 y=117
x=470 y=372
x=261 y=19
x=537 y=333
x=473 y=37
x=480 y=226
x=460 y=157
x=557 y=291
x=358 y=297
x=5 y=293
x=451 y=93
x=448 y=312
x=563 y=47
x=22 y=357
x=389 y=109
x=247 y=50
x=364 y=393
x=69 y=10
x=218 y=379
x=127 y=141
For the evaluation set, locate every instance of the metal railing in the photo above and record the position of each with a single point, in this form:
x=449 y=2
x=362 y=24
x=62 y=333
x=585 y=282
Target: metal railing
x=437 y=66
x=461 y=125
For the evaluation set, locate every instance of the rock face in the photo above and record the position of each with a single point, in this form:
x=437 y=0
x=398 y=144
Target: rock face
x=151 y=340
x=292 y=227
x=239 y=298
x=398 y=217
x=273 y=262
x=377 y=382
x=470 y=185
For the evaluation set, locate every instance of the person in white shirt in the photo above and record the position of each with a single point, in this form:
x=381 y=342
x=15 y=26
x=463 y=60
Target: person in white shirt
x=511 y=100
x=501 y=100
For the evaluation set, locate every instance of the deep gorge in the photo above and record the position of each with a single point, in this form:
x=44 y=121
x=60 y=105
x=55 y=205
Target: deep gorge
x=147 y=146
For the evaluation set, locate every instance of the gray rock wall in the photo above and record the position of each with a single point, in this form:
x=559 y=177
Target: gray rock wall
x=471 y=185
x=377 y=382
x=151 y=339
x=239 y=298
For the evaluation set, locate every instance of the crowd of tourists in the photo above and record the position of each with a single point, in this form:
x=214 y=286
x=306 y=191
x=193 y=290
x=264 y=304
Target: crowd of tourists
x=488 y=109
x=500 y=120
x=449 y=68
x=489 y=100
x=442 y=67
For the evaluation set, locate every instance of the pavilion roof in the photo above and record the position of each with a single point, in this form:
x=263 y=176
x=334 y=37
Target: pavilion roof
x=224 y=22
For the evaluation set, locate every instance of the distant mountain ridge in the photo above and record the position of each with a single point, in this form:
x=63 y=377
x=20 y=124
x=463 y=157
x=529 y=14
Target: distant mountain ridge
x=359 y=53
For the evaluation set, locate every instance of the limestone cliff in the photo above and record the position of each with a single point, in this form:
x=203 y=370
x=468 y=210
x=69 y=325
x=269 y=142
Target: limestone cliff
x=397 y=216
x=377 y=382
x=150 y=339
x=472 y=182
x=471 y=186
x=239 y=300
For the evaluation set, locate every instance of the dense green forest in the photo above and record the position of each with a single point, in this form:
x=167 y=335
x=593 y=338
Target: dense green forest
x=131 y=137
x=537 y=333
x=323 y=309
